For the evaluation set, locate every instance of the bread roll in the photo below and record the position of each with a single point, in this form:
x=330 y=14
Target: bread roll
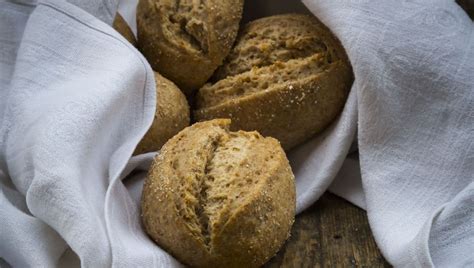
x=187 y=40
x=287 y=77
x=215 y=198
x=171 y=116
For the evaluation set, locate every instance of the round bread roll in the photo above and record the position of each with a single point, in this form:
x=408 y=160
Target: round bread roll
x=215 y=198
x=187 y=40
x=121 y=26
x=287 y=77
x=171 y=116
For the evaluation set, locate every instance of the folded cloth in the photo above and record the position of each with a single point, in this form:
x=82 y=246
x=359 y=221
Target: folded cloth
x=414 y=84
x=75 y=99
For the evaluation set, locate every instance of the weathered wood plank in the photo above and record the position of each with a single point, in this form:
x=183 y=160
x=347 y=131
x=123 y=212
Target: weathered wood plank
x=331 y=233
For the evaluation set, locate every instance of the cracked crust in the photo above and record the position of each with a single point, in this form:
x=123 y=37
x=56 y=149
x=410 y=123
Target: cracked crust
x=171 y=116
x=227 y=197
x=186 y=40
x=287 y=77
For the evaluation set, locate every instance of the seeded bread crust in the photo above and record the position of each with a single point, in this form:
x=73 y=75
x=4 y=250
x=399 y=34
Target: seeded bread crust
x=122 y=27
x=187 y=40
x=287 y=77
x=171 y=116
x=215 y=198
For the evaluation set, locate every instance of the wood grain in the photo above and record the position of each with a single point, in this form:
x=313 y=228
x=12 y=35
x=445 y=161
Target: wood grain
x=331 y=233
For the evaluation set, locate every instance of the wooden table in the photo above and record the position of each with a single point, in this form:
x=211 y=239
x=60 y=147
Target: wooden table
x=331 y=233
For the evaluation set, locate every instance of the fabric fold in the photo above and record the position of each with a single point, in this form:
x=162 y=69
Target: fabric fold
x=76 y=98
x=79 y=100
x=415 y=104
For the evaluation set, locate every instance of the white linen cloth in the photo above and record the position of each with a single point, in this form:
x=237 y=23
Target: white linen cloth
x=75 y=99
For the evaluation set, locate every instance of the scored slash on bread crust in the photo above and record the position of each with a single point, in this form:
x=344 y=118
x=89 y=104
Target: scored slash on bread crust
x=187 y=40
x=215 y=198
x=287 y=77
x=261 y=80
x=274 y=39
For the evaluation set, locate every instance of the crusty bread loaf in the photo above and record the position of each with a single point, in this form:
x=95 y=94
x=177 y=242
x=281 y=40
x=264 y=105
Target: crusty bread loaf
x=215 y=198
x=187 y=40
x=171 y=116
x=121 y=26
x=287 y=77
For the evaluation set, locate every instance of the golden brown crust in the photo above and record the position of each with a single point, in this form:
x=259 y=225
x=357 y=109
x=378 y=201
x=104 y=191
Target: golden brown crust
x=261 y=224
x=171 y=116
x=187 y=40
x=122 y=27
x=287 y=77
x=227 y=197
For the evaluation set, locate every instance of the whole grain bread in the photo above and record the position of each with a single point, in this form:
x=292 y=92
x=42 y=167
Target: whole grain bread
x=171 y=116
x=187 y=40
x=215 y=198
x=287 y=77
x=121 y=26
